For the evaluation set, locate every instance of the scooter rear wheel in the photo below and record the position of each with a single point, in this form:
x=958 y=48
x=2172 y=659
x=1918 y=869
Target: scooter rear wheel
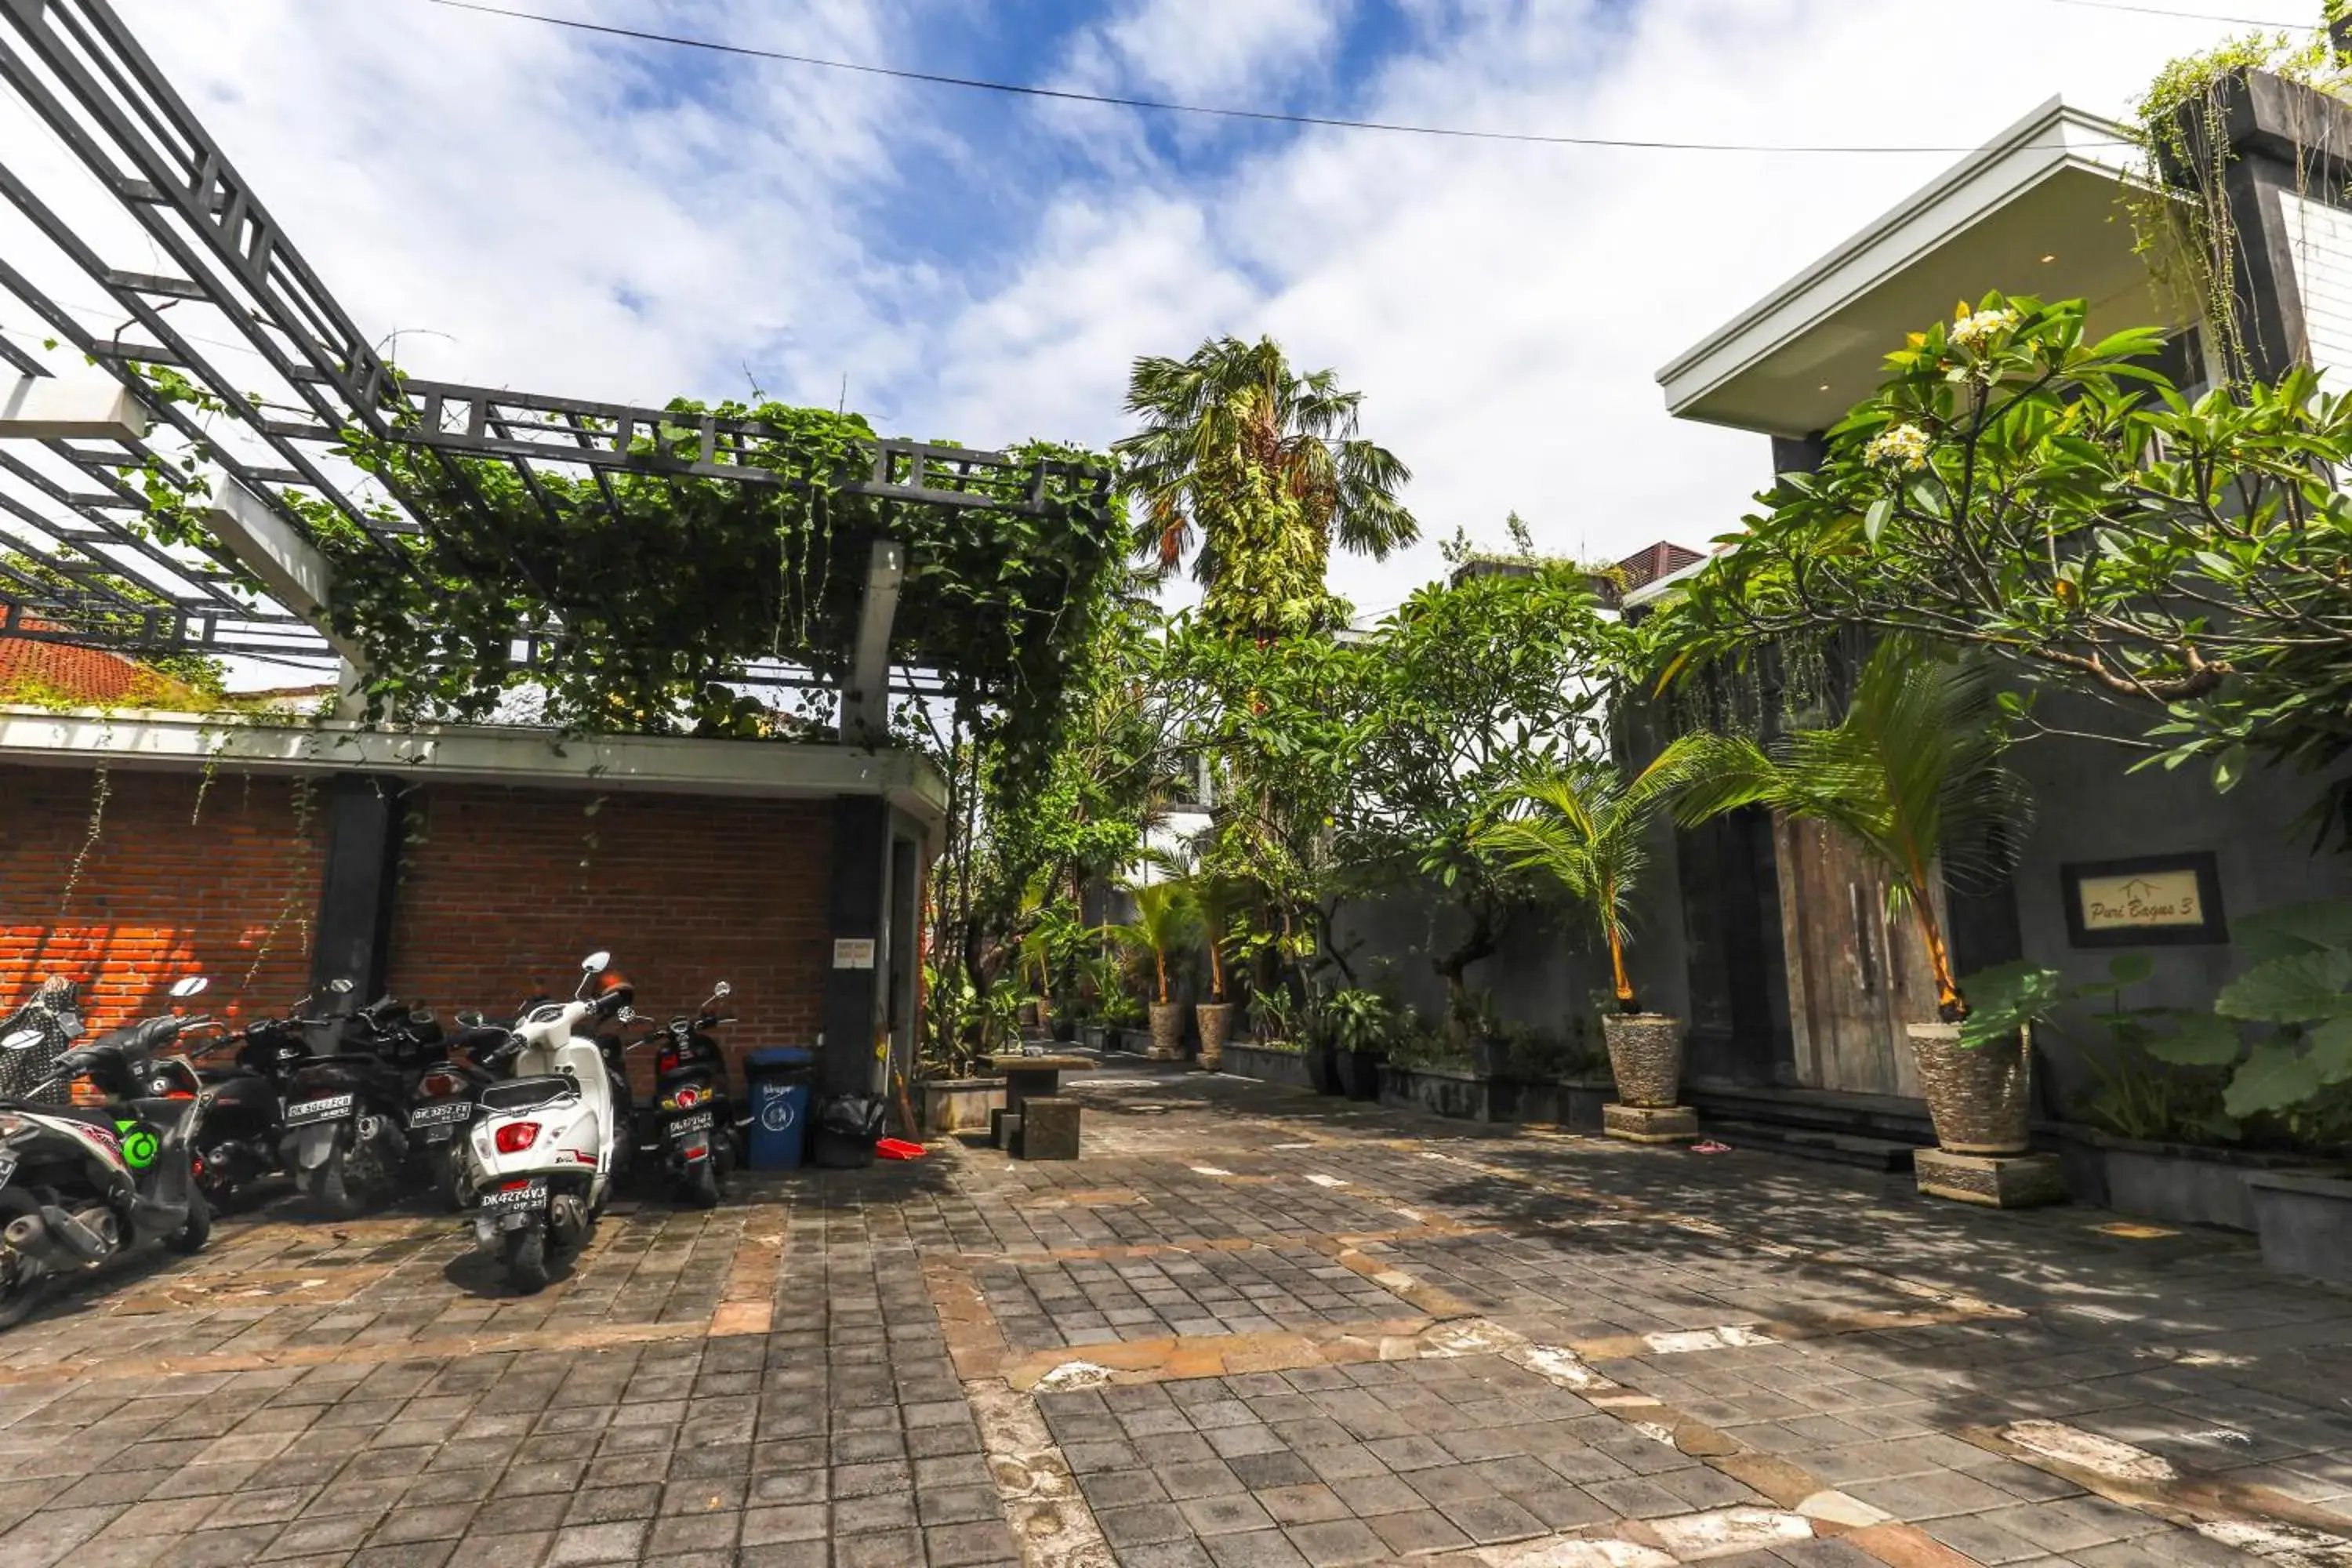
x=702 y=1183
x=526 y=1259
x=445 y=1176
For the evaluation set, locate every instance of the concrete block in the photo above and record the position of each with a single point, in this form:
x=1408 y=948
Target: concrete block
x=1650 y=1123
x=2000 y=1182
x=1049 y=1130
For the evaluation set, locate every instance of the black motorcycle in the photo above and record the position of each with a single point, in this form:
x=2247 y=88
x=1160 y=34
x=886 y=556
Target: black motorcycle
x=347 y=1135
x=81 y=1185
x=241 y=1129
x=689 y=1132
x=448 y=1096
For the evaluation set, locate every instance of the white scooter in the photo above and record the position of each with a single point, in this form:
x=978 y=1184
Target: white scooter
x=542 y=1155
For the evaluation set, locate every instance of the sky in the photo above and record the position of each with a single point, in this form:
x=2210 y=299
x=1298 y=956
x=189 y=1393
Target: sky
x=521 y=204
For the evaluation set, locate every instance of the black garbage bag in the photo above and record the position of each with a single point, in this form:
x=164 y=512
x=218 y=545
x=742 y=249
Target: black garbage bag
x=852 y=1116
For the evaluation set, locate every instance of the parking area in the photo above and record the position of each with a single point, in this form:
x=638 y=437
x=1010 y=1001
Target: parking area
x=1248 y=1327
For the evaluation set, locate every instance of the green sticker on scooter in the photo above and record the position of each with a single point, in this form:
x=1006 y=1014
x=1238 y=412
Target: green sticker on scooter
x=139 y=1145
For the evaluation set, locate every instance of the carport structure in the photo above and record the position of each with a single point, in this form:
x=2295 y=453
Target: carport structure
x=163 y=501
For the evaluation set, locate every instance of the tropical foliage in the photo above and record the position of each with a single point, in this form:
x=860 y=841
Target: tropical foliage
x=1912 y=774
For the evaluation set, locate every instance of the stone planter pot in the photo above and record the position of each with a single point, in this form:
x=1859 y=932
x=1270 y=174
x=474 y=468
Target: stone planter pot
x=1094 y=1037
x=1978 y=1098
x=1064 y=1030
x=2305 y=1220
x=1167 y=1032
x=958 y=1105
x=1645 y=1057
x=1216 y=1021
x=1358 y=1073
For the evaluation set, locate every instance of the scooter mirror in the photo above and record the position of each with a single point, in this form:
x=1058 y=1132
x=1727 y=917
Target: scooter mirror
x=596 y=961
x=722 y=991
x=190 y=986
x=22 y=1040
x=341 y=986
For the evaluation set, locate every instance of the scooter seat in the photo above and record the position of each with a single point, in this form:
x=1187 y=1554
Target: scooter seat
x=529 y=1093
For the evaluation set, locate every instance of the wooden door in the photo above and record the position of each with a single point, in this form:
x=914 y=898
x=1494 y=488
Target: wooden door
x=1855 y=977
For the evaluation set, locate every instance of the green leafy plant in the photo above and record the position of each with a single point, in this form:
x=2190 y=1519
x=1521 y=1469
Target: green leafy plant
x=1585 y=829
x=2160 y=1076
x=1357 y=1020
x=1912 y=774
x=2301 y=980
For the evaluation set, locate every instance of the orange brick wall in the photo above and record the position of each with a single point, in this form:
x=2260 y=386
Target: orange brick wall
x=493 y=902
x=230 y=894
x=494 y=905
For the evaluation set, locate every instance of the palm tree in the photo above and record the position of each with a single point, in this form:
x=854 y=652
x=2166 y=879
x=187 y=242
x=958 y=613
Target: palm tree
x=1164 y=922
x=1265 y=469
x=1587 y=831
x=1913 y=775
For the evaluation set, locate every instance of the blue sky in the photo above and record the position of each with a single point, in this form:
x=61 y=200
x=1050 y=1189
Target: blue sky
x=530 y=206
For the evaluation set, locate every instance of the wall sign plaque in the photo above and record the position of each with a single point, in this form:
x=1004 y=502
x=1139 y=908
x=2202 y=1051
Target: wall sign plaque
x=2148 y=901
x=853 y=952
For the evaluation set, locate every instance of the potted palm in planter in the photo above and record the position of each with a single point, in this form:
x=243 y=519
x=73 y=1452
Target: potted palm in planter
x=1164 y=922
x=1584 y=828
x=1913 y=775
x=1217 y=902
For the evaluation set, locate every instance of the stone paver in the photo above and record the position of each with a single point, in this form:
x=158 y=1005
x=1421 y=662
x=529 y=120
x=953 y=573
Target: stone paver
x=1247 y=1327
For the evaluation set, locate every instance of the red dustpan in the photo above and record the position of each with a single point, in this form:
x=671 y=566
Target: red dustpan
x=897 y=1149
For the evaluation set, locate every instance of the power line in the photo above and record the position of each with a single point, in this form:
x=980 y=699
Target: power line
x=2182 y=16
x=1071 y=95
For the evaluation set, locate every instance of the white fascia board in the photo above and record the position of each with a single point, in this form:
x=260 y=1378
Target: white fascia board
x=69 y=408
x=297 y=575
x=534 y=759
x=2053 y=138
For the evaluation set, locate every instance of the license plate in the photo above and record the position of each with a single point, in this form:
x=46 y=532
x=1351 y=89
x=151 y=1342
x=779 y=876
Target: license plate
x=7 y=1168
x=441 y=1113
x=531 y=1194
x=326 y=1110
x=687 y=1126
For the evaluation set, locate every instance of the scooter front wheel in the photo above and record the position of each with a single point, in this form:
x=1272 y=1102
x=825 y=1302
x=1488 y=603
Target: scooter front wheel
x=526 y=1259
x=198 y=1227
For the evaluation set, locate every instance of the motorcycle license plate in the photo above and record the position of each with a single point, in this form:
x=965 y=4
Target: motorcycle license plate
x=531 y=1194
x=7 y=1168
x=301 y=1113
x=438 y=1117
x=687 y=1126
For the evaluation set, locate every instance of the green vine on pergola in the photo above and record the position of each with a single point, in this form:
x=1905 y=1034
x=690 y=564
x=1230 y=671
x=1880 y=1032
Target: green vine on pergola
x=649 y=591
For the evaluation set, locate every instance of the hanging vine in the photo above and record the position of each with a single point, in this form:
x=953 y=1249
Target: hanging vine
x=101 y=787
x=302 y=798
x=2182 y=213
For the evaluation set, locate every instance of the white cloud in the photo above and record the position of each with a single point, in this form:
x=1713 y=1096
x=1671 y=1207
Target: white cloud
x=609 y=221
x=1210 y=50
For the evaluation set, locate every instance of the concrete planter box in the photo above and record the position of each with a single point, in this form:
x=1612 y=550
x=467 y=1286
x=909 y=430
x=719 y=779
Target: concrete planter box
x=1247 y=1058
x=2184 y=1184
x=2305 y=1220
x=1467 y=1097
x=1358 y=1073
x=958 y=1105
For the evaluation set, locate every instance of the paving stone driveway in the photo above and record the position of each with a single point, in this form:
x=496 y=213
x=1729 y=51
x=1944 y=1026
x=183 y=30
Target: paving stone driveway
x=1248 y=1327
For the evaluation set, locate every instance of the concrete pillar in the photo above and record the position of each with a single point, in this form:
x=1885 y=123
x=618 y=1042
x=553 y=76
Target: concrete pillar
x=352 y=937
x=858 y=914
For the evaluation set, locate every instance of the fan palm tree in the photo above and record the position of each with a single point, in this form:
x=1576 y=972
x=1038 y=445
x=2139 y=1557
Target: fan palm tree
x=1587 y=828
x=1913 y=775
x=1264 y=469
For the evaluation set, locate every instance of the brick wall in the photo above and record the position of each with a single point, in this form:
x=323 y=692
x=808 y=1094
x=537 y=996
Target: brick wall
x=230 y=894
x=494 y=905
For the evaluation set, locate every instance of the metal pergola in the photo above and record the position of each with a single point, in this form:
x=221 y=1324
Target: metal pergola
x=182 y=252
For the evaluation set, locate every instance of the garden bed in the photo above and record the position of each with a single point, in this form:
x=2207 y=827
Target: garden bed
x=1467 y=1097
x=957 y=1105
x=2305 y=1220
x=1270 y=1063
x=2185 y=1183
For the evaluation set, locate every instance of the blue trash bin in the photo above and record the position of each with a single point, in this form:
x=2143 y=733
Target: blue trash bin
x=779 y=1078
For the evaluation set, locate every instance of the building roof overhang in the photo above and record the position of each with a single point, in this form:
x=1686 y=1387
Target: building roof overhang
x=2035 y=211
x=475 y=754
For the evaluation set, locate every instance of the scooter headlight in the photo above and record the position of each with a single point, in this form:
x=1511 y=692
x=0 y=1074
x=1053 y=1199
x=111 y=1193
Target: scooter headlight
x=12 y=1124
